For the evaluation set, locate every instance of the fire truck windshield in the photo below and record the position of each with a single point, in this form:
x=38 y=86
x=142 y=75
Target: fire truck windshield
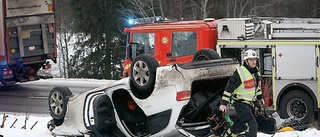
x=184 y=43
x=142 y=43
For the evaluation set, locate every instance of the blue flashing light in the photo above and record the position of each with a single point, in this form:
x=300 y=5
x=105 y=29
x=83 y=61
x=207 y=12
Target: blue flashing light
x=145 y=20
x=158 y=18
x=131 y=21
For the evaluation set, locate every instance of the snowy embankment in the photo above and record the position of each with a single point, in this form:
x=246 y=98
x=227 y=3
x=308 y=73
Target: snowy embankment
x=22 y=125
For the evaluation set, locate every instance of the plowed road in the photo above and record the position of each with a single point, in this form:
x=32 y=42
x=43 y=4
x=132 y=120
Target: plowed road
x=32 y=97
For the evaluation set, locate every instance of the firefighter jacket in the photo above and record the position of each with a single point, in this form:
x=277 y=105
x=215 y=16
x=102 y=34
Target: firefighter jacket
x=243 y=86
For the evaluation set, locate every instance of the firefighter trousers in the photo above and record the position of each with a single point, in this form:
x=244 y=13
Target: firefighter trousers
x=246 y=120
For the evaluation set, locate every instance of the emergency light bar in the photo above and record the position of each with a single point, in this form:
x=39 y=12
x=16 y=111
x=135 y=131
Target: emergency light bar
x=145 y=20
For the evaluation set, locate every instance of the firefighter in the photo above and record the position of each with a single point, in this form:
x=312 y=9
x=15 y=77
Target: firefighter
x=242 y=91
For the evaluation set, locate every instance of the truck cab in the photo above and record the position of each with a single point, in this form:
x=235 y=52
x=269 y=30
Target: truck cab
x=168 y=42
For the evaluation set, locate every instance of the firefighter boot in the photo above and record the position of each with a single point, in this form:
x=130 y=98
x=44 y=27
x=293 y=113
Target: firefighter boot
x=229 y=134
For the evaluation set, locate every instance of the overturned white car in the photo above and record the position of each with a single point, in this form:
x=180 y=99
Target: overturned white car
x=178 y=103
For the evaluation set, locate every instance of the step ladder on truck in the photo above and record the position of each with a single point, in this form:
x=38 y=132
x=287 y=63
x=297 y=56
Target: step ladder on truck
x=289 y=51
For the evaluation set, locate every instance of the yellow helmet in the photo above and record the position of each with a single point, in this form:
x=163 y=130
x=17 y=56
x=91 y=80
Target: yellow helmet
x=286 y=128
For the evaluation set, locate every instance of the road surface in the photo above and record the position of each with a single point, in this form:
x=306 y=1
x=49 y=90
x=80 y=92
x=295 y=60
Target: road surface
x=32 y=97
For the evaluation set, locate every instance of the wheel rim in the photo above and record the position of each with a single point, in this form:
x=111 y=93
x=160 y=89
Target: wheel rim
x=201 y=58
x=297 y=108
x=56 y=103
x=141 y=73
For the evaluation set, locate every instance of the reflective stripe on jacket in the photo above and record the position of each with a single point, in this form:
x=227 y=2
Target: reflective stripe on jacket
x=247 y=89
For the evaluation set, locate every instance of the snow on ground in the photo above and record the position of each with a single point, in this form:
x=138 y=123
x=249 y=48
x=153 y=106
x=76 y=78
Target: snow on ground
x=36 y=126
x=14 y=125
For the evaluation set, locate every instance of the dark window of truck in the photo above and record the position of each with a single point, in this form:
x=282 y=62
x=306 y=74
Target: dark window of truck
x=184 y=43
x=143 y=43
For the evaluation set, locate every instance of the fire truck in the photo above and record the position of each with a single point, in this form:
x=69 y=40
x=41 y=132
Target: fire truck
x=154 y=42
x=289 y=50
x=27 y=39
x=169 y=42
x=289 y=54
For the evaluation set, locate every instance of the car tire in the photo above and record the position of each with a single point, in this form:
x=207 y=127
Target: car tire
x=143 y=75
x=297 y=104
x=206 y=54
x=58 y=102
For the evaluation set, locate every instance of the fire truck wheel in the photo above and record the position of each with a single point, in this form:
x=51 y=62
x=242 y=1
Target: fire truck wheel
x=205 y=54
x=297 y=104
x=143 y=74
x=58 y=102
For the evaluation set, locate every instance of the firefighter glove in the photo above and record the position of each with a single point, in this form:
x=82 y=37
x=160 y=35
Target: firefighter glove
x=223 y=108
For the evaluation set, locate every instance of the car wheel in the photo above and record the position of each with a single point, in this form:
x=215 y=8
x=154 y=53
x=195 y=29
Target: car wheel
x=143 y=74
x=297 y=104
x=206 y=54
x=58 y=102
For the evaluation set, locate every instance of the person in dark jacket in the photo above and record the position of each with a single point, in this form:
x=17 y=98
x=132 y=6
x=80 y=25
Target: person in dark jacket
x=242 y=91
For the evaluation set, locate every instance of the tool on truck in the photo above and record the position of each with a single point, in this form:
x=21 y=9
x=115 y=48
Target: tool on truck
x=27 y=39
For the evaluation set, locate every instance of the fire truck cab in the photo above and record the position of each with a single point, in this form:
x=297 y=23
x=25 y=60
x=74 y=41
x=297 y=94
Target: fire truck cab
x=168 y=42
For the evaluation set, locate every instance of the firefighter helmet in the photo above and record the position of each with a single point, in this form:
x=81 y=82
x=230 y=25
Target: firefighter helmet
x=250 y=54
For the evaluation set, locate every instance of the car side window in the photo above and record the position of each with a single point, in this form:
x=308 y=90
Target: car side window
x=184 y=43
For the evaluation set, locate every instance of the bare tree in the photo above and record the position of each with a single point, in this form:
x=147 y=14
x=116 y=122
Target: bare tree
x=245 y=8
x=64 y=34
x=161 y=7
x=172 y=9
x=202 y=6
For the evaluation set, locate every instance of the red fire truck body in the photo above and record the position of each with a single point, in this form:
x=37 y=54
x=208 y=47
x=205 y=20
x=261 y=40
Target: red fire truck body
x=169 y=42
